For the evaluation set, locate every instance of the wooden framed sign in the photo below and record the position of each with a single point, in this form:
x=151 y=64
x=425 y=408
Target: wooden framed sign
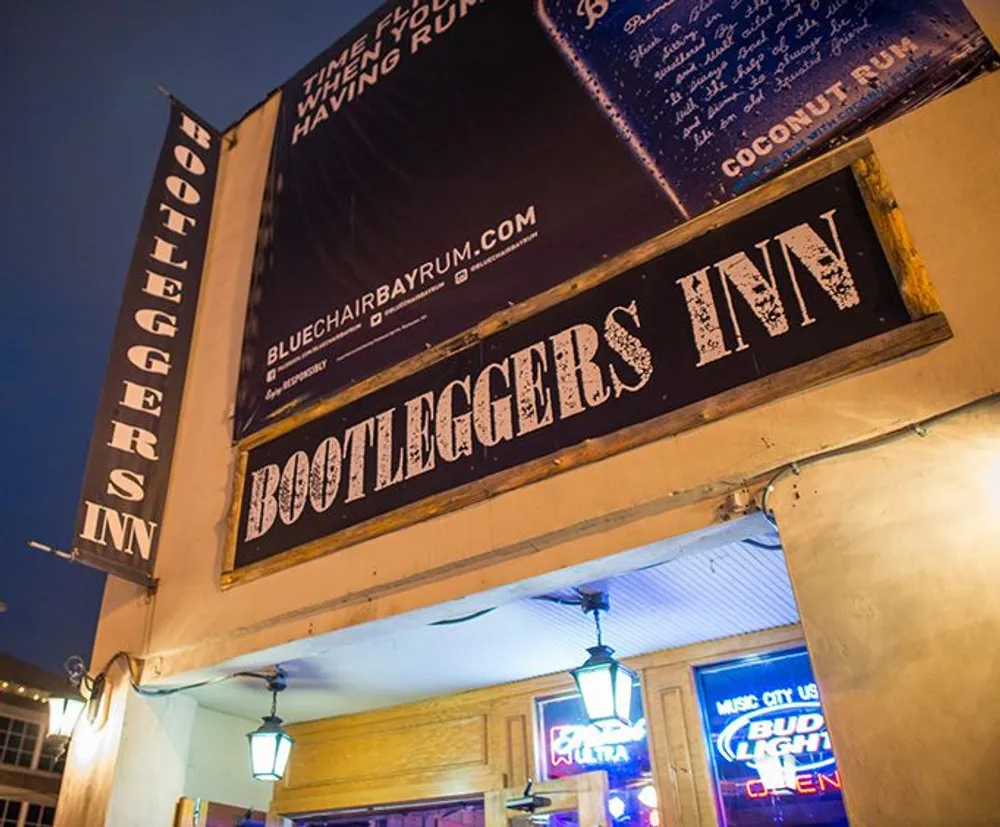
x=801 y=281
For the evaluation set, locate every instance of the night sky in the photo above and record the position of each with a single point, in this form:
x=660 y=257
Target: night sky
x=82 y=128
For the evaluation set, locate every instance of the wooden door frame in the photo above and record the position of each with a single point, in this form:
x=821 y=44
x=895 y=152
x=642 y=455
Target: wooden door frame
x=586 y=793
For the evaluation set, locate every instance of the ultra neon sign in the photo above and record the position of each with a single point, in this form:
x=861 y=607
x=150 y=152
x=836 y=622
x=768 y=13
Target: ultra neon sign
x=570 y=744
x=594 y=744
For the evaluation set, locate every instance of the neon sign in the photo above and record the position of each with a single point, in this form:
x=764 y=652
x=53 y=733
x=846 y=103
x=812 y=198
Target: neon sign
x=768 y=742
x=758 y=736
x=569 y=744
x=811 y=784
x=594 y=744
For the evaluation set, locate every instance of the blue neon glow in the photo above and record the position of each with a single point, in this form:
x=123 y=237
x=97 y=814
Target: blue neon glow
x=770 y=749
x=571 y=744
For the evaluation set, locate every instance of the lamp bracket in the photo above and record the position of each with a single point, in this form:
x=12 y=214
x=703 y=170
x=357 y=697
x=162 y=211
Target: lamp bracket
x=528 y=803
x=277 y=680
x=96 y=696
x=595 y=602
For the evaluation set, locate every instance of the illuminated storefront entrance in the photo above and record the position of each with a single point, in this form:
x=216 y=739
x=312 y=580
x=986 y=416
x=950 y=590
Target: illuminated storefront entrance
x=770 y=760
x=769 y=749
x=726 y=725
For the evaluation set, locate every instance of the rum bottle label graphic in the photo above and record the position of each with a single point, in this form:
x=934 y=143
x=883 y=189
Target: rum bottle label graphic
x=715 y=96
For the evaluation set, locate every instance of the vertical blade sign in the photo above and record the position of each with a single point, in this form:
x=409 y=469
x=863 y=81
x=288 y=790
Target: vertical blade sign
x=128 y=467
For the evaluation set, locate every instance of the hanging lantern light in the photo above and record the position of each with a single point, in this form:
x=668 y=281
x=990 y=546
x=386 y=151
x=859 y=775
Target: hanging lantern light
x=64 y=712
x=604 y=684
x=270 y=745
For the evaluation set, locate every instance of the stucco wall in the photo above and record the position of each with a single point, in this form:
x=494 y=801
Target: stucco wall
x=218 y=763
x=893 y=557
x=155 y=741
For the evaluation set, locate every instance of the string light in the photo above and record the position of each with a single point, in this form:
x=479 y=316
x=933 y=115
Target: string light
x=39 y=695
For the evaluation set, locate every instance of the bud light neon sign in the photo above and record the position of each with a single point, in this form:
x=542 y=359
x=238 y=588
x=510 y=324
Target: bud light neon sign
x=758 y=736
x=769 y=746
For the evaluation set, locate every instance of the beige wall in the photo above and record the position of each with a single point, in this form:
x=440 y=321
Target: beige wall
x=128 y=768
x=864 y=534
x=143 y=754
x=893 y=556
x=218 y=762
x=152 y=757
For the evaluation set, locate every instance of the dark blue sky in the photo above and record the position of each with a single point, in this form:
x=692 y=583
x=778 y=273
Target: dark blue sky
x=83 y=125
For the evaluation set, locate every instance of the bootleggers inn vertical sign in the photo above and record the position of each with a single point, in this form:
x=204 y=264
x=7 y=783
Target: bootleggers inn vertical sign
x=128 y=467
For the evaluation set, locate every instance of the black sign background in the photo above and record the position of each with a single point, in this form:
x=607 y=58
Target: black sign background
x=482 y=124
x=124 y=491
x=665 y=329
x=497 y=115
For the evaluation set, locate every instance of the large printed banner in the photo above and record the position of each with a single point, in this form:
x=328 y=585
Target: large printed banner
x=447 y=159
x=128 y=467
x=793 y=281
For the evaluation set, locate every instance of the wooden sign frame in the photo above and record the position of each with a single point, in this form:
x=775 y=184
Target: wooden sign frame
x=928 y=326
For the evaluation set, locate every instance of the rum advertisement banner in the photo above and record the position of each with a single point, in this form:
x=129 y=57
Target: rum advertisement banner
x=447 y=159
x=792 y=282
x=128 y=467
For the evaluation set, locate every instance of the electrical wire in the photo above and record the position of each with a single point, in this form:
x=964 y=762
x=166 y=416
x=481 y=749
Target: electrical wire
x=916 y=429
x=562 y=601
x=758 y=544
x=547 y=598
x=79 y=676
x=173 y=690
x=77 y=670
x=453 y=621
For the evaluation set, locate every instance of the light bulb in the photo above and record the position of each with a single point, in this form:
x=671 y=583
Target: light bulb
x=647 y=795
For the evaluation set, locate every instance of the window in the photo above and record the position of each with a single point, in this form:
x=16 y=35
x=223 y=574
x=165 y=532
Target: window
x=770 y=750
x=39 y=816
x=18 y=740
x=569 y=744
x=53 y=757
x=10 y=811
